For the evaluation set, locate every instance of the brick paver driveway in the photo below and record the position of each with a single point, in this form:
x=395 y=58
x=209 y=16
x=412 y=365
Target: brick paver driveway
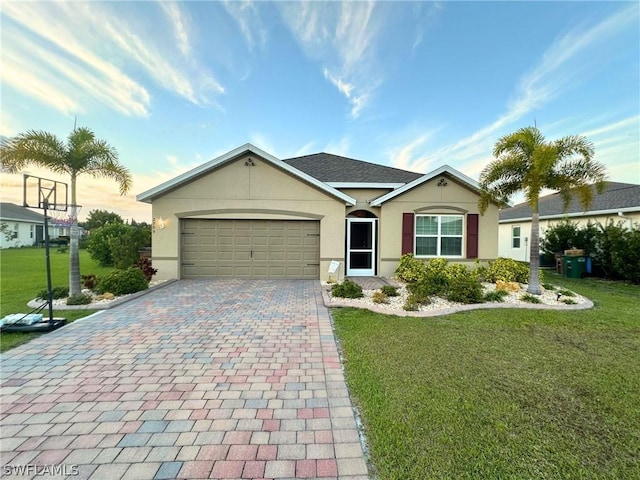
x=199 y=379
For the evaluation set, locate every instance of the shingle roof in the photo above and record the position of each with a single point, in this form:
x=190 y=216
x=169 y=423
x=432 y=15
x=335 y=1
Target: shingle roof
x=11 y=211
x=616 y=196
x=327 y=167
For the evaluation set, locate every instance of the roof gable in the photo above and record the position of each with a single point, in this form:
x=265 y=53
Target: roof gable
x=462 y=178
x=149 y=195
x=11 y=211
x=330 y=168
x=616 y=197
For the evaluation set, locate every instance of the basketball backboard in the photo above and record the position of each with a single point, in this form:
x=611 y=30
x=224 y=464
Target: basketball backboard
x=43 y=193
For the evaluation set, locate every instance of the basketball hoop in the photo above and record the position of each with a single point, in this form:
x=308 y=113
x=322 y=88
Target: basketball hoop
x=64 y=218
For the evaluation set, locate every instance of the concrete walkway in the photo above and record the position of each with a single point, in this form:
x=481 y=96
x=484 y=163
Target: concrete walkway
x=199 y=379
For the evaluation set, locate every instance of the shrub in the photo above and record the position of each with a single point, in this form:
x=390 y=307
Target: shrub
x=507 y=286
x=79 y=299
x=390 y=290
x=89 y=281
x=347 y=289
x=422 y=290
x=379 y=297
x=412 y=304
x=508 y=270
x=99 y=246
x=465 y=290
x=144 y=264
x=569 y=301
x=125 y=250
x=122 y=282
x=548 y=286
x=57 y=292
x=495 y=296
x=559 y=237
x=457 y=270
x=527 y=297
x=410 y=269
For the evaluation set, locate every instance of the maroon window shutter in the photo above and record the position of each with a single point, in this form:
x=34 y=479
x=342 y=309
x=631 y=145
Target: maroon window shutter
x=472 y=235
x=407 y=233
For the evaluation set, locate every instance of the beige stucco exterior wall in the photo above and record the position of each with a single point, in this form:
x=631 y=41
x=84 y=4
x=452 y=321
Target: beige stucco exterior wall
x=505 y=248
x=430 y=198
x=236 y=190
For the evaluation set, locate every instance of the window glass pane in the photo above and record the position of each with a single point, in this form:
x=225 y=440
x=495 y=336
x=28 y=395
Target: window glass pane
x=426 y=225
x=426 y=246
x=360 y=260
x=451 y=246
x=516 y=242
x=451 y=225
x=516 y=231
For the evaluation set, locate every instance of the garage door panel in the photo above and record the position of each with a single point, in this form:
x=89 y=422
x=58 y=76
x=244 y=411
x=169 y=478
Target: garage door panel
x=250 y=248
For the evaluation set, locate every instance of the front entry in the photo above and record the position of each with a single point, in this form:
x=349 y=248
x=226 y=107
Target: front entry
x=361 y=247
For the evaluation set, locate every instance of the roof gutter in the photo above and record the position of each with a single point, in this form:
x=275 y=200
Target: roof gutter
x=613 y=211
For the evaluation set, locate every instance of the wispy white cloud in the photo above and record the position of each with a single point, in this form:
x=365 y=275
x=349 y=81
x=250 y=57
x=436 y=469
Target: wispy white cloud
x=93 y=38
x=339 y=147
x=306 y=149
x=178 y=18
x=554 y=73
x=246 y=15
x=343 y=37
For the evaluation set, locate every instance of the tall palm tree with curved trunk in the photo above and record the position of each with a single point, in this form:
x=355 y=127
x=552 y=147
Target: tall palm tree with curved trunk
x=82 y=154
x=526 y=162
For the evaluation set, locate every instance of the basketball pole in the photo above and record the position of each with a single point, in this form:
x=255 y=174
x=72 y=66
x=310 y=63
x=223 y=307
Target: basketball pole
x=48 y=261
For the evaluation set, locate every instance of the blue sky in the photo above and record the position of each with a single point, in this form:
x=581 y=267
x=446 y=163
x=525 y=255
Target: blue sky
x=413 y=85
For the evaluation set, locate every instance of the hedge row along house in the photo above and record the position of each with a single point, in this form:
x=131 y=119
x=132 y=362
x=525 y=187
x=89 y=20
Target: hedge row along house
x=250 y=214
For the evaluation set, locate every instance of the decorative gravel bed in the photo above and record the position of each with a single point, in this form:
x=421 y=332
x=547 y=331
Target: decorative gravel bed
x=548 y=298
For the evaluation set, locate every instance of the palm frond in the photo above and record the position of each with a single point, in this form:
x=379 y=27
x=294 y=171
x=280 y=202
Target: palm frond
x=33 y=147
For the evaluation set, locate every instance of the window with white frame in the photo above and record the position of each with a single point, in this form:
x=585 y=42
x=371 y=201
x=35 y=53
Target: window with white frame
x=438 y=235
x=515 y=237
x=32 y=229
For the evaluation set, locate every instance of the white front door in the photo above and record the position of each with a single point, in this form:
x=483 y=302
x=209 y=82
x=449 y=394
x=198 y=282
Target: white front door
x=361 y=246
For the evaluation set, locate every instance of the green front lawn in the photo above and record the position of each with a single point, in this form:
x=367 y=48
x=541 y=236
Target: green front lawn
x=501 y=393
x=23 y=275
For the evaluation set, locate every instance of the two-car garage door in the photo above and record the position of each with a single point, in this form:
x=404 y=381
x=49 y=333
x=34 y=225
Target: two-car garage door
x=250 y=248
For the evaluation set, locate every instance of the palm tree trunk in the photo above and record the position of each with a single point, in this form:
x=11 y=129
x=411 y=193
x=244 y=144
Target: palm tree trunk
x=74 y=244
x=534 y=256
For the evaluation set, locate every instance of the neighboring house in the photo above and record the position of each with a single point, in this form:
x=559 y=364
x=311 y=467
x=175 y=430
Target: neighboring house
x=20 y=226
x=620 y=202
x=250 y=214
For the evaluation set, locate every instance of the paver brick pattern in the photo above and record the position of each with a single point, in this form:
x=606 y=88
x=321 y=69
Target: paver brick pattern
x=199 y=379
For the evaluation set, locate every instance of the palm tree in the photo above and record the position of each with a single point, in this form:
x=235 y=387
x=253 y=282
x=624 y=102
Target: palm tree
x=82 y=154
x=525 y=162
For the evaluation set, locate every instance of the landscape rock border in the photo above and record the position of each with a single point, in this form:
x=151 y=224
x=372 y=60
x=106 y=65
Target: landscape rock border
x=332 y=302
x=102 y=305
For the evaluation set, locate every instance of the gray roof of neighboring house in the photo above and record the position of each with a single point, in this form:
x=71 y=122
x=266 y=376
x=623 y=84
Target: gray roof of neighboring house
x=327 y=167
x=13 y=212
x=617 y=196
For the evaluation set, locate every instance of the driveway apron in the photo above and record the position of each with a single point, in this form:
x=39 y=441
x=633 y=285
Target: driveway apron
x=199 y=379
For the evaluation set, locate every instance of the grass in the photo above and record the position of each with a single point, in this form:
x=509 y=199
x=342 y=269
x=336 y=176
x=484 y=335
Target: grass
x=501 y=394
x=23 y=275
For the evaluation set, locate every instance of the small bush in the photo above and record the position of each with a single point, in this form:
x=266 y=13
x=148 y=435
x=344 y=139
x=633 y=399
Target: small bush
x=390 y=291
x=508 y=286
x=457 y=270
x=566 y=293
x=57 y=292
x=123 y=282
x=569 y=301
x=144 y=264
x=79 y=299
x=347 y=289
x=527 y=297
x=495 y=296
x=548 y=286
x=379 y=297
x=508 y=270
x=89 y=281
x=421 y=291
x=465 y=290
x=412 y=304
x=410 y=269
